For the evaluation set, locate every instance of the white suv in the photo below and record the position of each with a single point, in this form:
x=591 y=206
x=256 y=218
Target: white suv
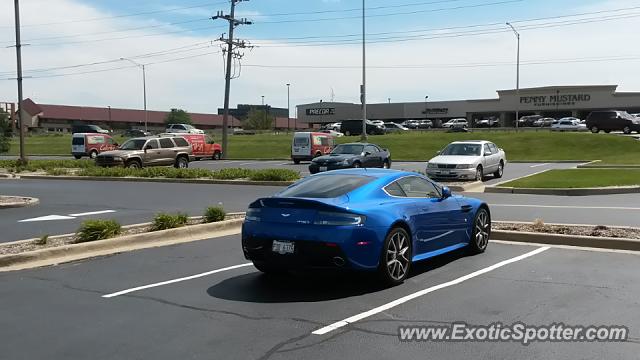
x=456 y=123
x=183 y=129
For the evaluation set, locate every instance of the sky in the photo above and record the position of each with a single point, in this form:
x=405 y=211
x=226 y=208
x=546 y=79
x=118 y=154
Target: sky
x=444 y=49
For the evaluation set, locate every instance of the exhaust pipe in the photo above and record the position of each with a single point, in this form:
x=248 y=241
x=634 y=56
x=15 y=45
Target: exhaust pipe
x=338 y=261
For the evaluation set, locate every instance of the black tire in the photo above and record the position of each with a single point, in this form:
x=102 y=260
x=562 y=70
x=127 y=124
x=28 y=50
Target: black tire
x=498 y=174
x=133 y=164
x=296 y=161
x=181 y=163
x=357 y=165
x=268 y=268
x=395 y=257
x=594 y=129
x=607 y=131
x=217 y=155
x=479 y=173
x=93 y=154
x=386 y=165
x=347 y=133
x=626 y=130
x=78 y=157
x=481 y=232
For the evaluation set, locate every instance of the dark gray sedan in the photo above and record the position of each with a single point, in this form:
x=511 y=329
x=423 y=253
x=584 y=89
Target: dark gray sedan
x=354 y=155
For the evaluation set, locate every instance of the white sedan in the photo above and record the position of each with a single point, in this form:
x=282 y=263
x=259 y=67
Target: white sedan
x=468 y=160
x=569 y=124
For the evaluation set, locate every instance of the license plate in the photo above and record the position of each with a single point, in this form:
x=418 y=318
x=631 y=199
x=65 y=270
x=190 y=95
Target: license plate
x=323 y=168
x=283 y=247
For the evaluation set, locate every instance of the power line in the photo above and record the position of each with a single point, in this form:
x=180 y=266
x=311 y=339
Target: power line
x=123 y=15
x=357 y=9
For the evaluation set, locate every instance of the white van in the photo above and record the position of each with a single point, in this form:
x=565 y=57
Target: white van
x=308 y=145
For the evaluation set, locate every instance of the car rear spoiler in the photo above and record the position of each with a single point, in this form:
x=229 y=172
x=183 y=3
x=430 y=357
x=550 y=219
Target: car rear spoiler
x=300 y=203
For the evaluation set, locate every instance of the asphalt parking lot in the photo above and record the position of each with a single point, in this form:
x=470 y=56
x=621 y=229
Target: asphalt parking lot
x=78 y=310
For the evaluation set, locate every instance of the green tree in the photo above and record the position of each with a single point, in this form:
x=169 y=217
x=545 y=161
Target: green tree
x=5 y=132
x=258 y=120
x=178 y=116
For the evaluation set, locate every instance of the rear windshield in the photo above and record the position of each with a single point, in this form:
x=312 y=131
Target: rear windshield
x=326 y=186
x=78 y=141
x=301 y=141
x=181 y=142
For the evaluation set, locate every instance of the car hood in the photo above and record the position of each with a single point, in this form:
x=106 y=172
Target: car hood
x=454 y=159
x=334 y=158
x=119 y=152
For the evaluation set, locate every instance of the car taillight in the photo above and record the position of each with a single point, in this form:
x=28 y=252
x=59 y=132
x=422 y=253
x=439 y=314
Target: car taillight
x=253 y=214
x=338 y=219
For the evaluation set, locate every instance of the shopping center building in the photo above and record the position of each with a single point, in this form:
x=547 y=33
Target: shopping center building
x=551 y=101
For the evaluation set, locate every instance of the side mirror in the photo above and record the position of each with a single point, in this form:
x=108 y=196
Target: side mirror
x=446 y=192
x=366 y=153
x=147 y=148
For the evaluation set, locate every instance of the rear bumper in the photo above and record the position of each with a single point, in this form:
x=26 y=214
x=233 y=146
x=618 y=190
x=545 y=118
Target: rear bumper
x=315 y=246
x=108 y=162
x=315 y=168
x=451 y=173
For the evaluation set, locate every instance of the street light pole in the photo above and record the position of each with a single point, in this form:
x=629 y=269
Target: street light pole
x=426 y=108
x=517 y=76
x=363 y=91
x=144 y=90
x=288 y=107
x=23 y=157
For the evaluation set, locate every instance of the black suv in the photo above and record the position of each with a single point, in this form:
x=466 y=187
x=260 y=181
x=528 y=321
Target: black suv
x=354 y=127
x=612 y=120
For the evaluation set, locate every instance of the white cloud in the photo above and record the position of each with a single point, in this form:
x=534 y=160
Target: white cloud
x=198 y=84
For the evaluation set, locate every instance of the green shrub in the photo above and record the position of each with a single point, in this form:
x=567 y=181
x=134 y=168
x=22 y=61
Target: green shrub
x=46 y=165
x=92 y=230
x=231 y=174
x=214 y=214
x=58 y=172
x=164 y=221
x=274 y=175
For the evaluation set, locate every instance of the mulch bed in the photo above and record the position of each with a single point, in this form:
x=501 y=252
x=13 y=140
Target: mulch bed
x=596 y=231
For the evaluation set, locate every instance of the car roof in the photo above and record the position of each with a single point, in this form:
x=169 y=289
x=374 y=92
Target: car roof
x=84 y=134
x=472 y=142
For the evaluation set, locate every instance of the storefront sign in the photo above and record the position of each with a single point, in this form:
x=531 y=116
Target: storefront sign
x=321 y=112
x=437 y=111
x=555 y=100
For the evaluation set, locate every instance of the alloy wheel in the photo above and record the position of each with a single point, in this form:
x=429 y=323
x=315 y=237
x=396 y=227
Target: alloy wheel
x=479 y=174
x=396 y=257
x=482 y=228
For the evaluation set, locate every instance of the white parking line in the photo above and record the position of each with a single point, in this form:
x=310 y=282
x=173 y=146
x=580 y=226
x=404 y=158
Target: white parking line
x=246 y=163
x=568 y=207
x=402 y=300
x=123 y=292
x=93 y=213
x=538 y=165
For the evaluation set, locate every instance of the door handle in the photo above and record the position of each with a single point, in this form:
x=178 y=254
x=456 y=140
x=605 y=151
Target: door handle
x=466 y=208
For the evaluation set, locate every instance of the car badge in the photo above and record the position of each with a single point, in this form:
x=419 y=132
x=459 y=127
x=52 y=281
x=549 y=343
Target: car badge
x=285 y=215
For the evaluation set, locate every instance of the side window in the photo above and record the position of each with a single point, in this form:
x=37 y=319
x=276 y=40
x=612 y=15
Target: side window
x=325 y=141
x=317 y=140
x=180 y=142
x=166 y=143
x=394 y=189
x=487 y=150
x=110 y=141
x=153 y=144
x=416 y=187
x=370 y=149
x=494 y=148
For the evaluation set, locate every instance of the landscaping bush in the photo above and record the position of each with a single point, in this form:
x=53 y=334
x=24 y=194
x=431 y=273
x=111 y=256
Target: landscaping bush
x=92 y=230
x=214 y=214
x=46 y=165
x=274 y=175
x=57 y=172
x=164 y=221
x=231 y=174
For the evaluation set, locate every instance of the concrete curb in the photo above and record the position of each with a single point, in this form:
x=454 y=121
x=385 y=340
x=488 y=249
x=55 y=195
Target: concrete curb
x=550 y=161
x=67 y=253
x=564 y=192
x=605 y=166
x=476 y=186
x=160 y=180
x=26 y=201
x=567 y=240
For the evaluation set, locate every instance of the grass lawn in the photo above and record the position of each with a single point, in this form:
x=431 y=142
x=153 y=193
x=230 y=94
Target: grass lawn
x=533 y=146
x=579 y=178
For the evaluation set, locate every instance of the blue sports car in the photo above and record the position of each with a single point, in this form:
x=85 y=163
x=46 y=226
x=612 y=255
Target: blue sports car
x=363 y=219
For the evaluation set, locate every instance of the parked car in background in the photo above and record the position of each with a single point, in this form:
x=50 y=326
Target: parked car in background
x=355 y=155
x=612 y=120
x=425 y=124
x=456 y=123
x=354 y=127
x=135 y=133
x=468 y=160
x=411 y=124
x=392 y=127
x=203 y=146
x=89 y=129
x=544 y=122
x=377 y=122
x=308 y=145
x=334 y=126
x=527 y=121
x=149 y=151
x=375 y=221
x=636 y=115
x=488 y=123
x=568 y=124
x=91 y=144
x=183 y=129
x=332 y=133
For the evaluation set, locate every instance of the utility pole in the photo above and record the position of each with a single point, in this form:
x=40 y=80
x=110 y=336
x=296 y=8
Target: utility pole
x=363 y=89
x=23 y=157
x=231 y=44
x=288 y=108
x=144 y=89
x=517 y=76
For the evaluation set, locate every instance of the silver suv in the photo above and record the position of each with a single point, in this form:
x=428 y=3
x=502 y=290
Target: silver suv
x=149 y=151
